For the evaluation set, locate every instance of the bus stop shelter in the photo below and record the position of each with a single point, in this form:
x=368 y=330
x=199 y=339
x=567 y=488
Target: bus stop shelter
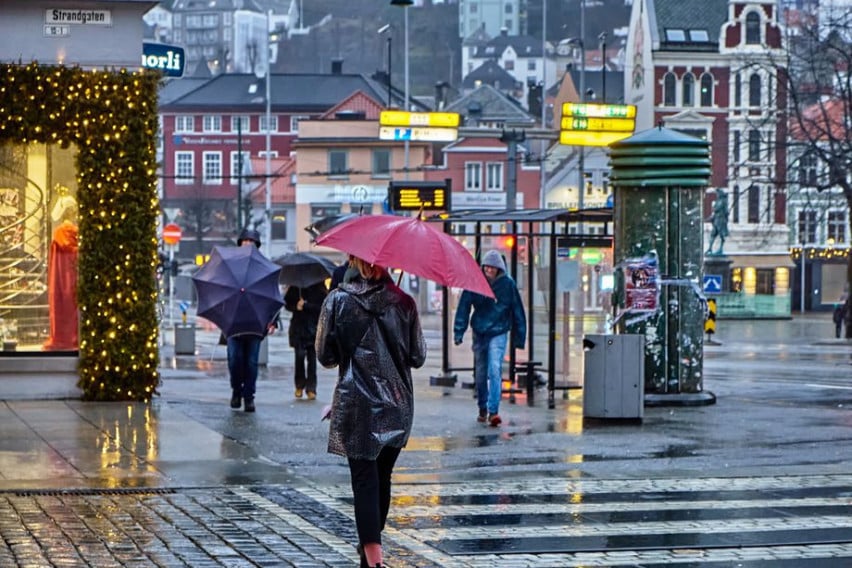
x=535 y=241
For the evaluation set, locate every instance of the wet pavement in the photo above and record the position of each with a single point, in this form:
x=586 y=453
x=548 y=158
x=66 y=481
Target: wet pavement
x=761 y=478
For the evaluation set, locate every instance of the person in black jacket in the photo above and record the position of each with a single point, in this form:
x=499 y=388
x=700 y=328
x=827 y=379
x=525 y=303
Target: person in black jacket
x=305 y=303
x=370 y=330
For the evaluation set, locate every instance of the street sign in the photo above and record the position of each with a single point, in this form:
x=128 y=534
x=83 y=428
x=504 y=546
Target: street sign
x=404 y=118
x=712 y=283
x=417 y=195
x=166 y=58
x=592 y=124
x=418 y=134
x=172 y=234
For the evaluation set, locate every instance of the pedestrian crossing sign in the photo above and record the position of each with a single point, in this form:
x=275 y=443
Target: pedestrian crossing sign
x=712 y=283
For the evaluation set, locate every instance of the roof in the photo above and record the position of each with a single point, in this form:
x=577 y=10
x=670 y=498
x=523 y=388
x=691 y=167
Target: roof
x=494 y=105
x=686 y=15
x=524 y=46
x=291 y=91
x=821 y=122
x=176 y=88
x=594 y=80
x=490 y=73
x=601 y=215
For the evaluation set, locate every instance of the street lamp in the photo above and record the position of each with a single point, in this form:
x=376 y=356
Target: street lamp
x=404 y=4
x=271 y=39
x=602 y=39
x=381 y=30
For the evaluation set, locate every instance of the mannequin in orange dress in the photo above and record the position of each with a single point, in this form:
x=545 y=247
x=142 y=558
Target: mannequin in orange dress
x=62 y=287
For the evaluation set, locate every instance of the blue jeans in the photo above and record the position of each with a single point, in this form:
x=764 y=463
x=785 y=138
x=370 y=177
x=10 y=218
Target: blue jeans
x=243 y=355
x=488 y=355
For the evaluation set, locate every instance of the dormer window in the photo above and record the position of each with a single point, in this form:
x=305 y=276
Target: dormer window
x=675 y=35
x=753 y=28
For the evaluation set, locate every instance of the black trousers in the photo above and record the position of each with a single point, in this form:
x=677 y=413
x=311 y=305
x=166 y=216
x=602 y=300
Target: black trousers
x=371 y=489
x=306 y=354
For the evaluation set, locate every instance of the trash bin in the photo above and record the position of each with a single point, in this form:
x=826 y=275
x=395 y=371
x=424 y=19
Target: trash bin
x=614 y=376
x=184 y=339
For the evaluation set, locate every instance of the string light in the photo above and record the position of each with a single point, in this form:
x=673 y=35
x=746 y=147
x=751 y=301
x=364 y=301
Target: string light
x=111 y=118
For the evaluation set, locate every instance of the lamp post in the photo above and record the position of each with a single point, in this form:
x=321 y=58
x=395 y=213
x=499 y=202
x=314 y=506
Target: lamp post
x=383 y=29
x=404 y=4
x=602 y=39
x=267 y=225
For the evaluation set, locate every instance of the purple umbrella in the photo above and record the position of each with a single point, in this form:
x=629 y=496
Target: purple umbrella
x=238 y=290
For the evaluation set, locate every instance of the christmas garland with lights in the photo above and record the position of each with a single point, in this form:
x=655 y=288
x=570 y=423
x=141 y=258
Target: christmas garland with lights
x=111 y=118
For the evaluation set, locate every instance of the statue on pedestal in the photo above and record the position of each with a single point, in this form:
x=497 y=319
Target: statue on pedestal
x=719 y=219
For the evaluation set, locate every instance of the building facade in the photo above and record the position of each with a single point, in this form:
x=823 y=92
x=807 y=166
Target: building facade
x=713 y=72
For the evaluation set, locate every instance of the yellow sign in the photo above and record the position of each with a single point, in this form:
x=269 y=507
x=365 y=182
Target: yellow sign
x=402 y=133
x=600 y=124
x=418 y=195
x=404 y=118
x=598 y=110
x=588 y=138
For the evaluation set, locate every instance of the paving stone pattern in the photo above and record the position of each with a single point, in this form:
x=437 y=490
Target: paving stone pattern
x=751 y=521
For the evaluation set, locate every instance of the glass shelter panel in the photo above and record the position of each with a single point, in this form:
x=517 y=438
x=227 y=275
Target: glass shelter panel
x=38 y=248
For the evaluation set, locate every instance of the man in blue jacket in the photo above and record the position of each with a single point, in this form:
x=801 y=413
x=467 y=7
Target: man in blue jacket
x=491 y=322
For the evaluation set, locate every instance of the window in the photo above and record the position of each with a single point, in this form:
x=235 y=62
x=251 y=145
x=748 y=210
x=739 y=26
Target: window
x=272 y=154
x=184 y=168
x=735 y=205
x=675 y=35
x=337 y=163
x=753 y=28
x=753 y=204
x=212 y=168
x=837 y=226
x=473 y=8
x=699 y=36
x=320 y=211
x=294 y=122
x=473 y=176
x=808 y=170
x=736 y=144
x=381 y=163
x=706 y=90
x=273 y=124
x=753 y=145
x=531 y=65
x=212 y=123
x=765 y=281
x=184 y=123
x=494 y=176
x=509 y=65
x=807 y=227
x=235 y=166
x=669 y=90
x=754 y=90
x=688 y=89
x=240 y=124
x=279 y=225
x=738 y=90
x=508 y=9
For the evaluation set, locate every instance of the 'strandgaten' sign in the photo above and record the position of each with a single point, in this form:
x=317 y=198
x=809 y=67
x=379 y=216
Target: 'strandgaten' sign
x=57 y=16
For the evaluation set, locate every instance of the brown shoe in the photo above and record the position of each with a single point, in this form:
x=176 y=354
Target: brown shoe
x=312 y=395
x=494 y=420
x=298 y=393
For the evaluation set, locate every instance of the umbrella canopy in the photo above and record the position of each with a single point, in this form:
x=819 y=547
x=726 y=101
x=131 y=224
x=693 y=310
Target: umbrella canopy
x=304 y=269
x=411 y=245
x=322 y=225
x=238 y=290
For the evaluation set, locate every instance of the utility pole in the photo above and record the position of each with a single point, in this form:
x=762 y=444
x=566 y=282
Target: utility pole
x=512 y=138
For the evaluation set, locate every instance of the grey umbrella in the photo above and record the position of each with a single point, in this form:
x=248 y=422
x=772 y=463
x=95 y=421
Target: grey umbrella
x=303 y=269
x=238 y=290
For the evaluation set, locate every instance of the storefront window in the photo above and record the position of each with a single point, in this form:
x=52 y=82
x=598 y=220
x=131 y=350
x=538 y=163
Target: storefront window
x=38 y=248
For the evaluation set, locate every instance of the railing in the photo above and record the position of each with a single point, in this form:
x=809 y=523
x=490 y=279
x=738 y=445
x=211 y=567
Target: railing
x=23 y=259
x=734 y=305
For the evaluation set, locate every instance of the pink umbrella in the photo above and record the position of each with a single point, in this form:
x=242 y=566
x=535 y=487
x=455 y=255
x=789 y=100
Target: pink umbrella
x=409 y=244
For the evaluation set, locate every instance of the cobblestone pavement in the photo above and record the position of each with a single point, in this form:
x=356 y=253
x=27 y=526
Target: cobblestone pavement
x=799 y=521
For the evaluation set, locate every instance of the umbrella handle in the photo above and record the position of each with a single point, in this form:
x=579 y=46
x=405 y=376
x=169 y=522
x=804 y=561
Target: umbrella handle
x=398 y=280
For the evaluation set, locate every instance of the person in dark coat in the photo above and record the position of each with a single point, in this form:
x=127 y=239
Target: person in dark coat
x=491 y=322
x=370 y=330
x=305 y=304
x=244 y=349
